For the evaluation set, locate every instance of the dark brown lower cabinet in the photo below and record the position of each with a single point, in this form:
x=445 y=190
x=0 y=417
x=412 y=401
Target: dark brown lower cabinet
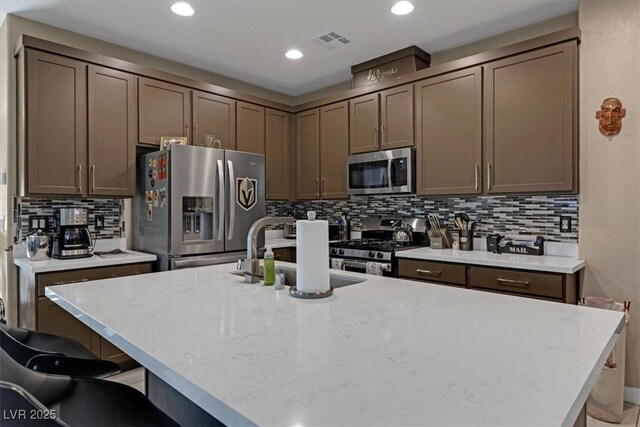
x=531 y=284
x=284 y=254
x=38 y=312
x=54 y=319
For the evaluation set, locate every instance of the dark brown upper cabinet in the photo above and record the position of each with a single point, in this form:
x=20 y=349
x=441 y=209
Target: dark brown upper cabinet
x=382 y=121
x=53 y=119
x=334 y=149
x=164 y=110
x=214 y=115
x=250 y=128
x=449 y=133
x=530 y=121
x=396 y=117
x=277 y=157
x=308 y=152
x=79 y=127
x=364 y=129
x=112 y=128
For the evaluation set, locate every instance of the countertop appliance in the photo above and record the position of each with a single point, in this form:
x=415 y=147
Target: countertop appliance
x=377 y=244
x=72 y=238
x=381 y=172
x=194 y=205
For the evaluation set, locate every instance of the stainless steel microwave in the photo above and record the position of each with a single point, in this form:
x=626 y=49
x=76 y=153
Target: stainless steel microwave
x=381 y=172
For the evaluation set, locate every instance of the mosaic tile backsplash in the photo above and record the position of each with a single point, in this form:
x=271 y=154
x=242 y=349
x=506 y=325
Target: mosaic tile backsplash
x=538 y=215
x=111 y=209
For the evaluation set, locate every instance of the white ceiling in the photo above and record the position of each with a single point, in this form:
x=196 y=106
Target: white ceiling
x=246 y=39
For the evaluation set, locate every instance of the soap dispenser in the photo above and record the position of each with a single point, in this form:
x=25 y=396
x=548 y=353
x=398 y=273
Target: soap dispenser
x=269 y=269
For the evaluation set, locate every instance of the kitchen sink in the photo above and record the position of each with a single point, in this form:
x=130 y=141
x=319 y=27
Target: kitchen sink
x=335 y=280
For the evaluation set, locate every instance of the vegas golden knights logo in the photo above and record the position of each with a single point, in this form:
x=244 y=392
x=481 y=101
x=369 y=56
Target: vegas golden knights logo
x=246 y=189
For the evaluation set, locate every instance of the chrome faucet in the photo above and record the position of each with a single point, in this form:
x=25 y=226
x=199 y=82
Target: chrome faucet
x=251 y=265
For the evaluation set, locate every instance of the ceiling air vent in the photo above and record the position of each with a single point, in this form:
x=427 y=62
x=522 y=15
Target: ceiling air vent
x=331 y=40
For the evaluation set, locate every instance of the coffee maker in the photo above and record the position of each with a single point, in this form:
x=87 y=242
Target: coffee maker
x=72 y=238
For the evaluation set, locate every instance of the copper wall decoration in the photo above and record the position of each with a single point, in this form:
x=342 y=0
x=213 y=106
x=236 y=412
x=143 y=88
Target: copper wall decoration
x=610 y=116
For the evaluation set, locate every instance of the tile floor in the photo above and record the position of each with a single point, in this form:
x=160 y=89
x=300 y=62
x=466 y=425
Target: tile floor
x=135 y=378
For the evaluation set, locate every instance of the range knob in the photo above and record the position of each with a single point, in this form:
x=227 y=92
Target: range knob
x=334 y=251
x=341 y=252
x=372 y=254
x=380 y=255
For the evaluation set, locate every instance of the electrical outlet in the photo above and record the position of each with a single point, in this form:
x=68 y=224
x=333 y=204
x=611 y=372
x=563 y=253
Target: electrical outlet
x=99 y=222
x=565 y=224
x=41 y=222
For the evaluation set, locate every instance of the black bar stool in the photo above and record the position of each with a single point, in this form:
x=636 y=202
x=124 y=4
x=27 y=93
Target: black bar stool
x=53 y=354
x=76 y=401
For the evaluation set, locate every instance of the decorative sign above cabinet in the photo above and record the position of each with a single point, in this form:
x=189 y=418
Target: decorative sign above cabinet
x=389 y=66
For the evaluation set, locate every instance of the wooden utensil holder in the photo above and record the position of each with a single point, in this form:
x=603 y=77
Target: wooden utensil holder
x=440 y=238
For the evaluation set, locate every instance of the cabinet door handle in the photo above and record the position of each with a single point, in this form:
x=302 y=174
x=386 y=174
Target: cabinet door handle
x=375 y=138
x=318 y=187
x=196 y=135
x=323 y=187
x=79 y=178
x=382 y=136
x=510 y=282
x=428 y=272
x=488 y=176
x=268 y=187
x=93 y=178
x=186 y=132
x=477 y=175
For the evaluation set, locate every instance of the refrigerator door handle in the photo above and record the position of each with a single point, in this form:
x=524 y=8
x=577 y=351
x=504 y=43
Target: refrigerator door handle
x=232 y=201
x=220 y=200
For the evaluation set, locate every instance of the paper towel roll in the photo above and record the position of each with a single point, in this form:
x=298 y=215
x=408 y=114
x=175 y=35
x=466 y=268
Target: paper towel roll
x=312 y=256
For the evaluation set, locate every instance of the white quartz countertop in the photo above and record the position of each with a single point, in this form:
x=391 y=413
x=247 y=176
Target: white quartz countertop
x=382 y=352
x=53 y=264
x=554 y=264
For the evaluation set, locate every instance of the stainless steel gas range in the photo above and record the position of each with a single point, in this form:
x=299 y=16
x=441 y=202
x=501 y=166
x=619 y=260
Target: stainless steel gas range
x=381 y=239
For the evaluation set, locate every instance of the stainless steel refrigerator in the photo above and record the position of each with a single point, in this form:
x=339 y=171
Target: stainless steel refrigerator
x=195 y=205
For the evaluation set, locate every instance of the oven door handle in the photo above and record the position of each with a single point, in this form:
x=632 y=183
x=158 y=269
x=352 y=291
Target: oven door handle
x=389 y=165
x=362 y=265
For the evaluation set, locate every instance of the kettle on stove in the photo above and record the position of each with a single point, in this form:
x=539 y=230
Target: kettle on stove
x=403 y=232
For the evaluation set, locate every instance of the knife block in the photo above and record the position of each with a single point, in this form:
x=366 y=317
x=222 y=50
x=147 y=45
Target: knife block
x=440 y=238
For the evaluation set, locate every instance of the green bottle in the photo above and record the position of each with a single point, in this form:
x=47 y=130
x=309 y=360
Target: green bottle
x=269 y=268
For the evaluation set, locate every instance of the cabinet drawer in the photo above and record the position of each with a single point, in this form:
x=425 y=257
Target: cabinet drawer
x=432 y=271
x=520 y=282
x=73 y=276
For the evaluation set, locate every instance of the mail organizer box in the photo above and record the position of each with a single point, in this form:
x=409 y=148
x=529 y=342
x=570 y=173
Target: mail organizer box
x=522 y=247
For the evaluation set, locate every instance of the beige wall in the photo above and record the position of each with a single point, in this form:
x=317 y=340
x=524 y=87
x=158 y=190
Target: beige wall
x=609 y=167
x=521 y=34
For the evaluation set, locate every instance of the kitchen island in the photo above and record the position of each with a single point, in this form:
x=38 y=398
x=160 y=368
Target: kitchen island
x=381 y=352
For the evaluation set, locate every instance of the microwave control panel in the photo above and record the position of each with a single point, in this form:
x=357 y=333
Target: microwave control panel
x=399 y=172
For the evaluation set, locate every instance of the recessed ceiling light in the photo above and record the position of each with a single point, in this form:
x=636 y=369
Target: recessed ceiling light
x=293 y=54
x=182 y=9
x=402 y=8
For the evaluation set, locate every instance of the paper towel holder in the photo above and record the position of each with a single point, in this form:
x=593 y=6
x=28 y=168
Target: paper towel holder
x=310 y=295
